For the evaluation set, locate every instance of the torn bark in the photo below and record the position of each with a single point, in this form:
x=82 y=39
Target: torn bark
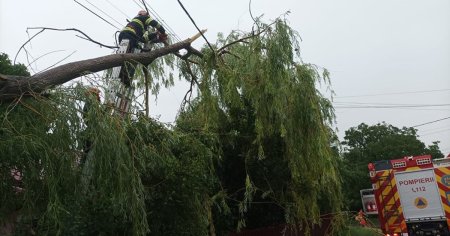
x=14 y=86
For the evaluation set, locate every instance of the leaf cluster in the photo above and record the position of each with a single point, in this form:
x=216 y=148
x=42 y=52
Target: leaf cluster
x=272 y=122
x=7 y=68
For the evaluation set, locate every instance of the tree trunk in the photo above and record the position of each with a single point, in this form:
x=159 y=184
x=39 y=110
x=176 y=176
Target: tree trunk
x=15 y=86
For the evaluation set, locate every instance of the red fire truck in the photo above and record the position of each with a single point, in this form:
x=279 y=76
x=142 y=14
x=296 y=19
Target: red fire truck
x=412 y=195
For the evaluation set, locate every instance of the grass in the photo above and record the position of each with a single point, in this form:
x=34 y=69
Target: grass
x=360 y=231
x=354 y=229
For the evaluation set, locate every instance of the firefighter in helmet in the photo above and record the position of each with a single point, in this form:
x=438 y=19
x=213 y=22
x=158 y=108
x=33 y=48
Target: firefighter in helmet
x=137 y=30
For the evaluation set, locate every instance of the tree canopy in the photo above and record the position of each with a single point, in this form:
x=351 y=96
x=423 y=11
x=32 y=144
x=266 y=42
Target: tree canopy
x=7 y=68
x=258 y=132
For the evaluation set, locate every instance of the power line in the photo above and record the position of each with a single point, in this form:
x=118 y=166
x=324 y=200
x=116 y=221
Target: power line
x=434 y=129
x=118 y=9
x=162 y=21
x=397 y=93
x=157 y=17
x=392 y=106
x=395 y=108
x=435 y=132
x=193 y=22
x=103 y=12
x=166 y=26
x=430 y=122
x=96 y=14
x=138 y=4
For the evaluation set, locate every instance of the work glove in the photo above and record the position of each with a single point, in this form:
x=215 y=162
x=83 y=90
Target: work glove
x=145 y=36
x=162 y=37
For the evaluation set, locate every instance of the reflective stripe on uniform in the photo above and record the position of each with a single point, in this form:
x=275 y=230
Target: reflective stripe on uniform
x=147 y=22
x=129 y=29
x=139 y=22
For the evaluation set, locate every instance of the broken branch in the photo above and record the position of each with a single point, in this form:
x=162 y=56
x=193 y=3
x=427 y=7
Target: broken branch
x=77 y=30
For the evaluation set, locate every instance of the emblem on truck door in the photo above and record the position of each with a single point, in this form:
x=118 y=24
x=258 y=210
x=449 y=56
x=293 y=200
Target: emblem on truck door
x=421 y=202
x=446 y=180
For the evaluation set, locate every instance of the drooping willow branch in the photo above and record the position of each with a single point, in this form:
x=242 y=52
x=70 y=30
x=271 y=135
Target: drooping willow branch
x=243 y=40
x=186 y=99
x=146 y=81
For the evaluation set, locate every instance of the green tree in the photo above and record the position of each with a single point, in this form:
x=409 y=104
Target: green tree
x=364 y=144
x=273 y=127
x=7 y=68
x=257 y=132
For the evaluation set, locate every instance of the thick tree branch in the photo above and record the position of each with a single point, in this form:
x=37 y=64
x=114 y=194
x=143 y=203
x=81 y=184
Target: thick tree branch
x=194 y=51
x=12 y=86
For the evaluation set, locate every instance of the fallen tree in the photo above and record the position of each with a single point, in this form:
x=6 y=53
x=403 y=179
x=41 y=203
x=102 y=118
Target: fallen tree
x=15 y=86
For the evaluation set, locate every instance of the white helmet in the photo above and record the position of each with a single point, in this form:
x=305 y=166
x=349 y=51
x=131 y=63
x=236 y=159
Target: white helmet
x=142 y=13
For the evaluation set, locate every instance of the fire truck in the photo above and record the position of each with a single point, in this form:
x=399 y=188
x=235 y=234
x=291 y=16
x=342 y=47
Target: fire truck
x=412 y=195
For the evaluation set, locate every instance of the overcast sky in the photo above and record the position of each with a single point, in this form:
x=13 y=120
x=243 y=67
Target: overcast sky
x=380 y=53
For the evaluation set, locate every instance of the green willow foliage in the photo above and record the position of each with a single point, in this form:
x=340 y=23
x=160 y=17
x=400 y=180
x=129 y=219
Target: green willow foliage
x=265 y=71
x=43 y=139
x=143 y=178
x=137 y=175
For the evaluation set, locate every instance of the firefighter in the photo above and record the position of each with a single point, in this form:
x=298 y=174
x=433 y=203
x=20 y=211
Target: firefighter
x=361 y=218
x=137 y=30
